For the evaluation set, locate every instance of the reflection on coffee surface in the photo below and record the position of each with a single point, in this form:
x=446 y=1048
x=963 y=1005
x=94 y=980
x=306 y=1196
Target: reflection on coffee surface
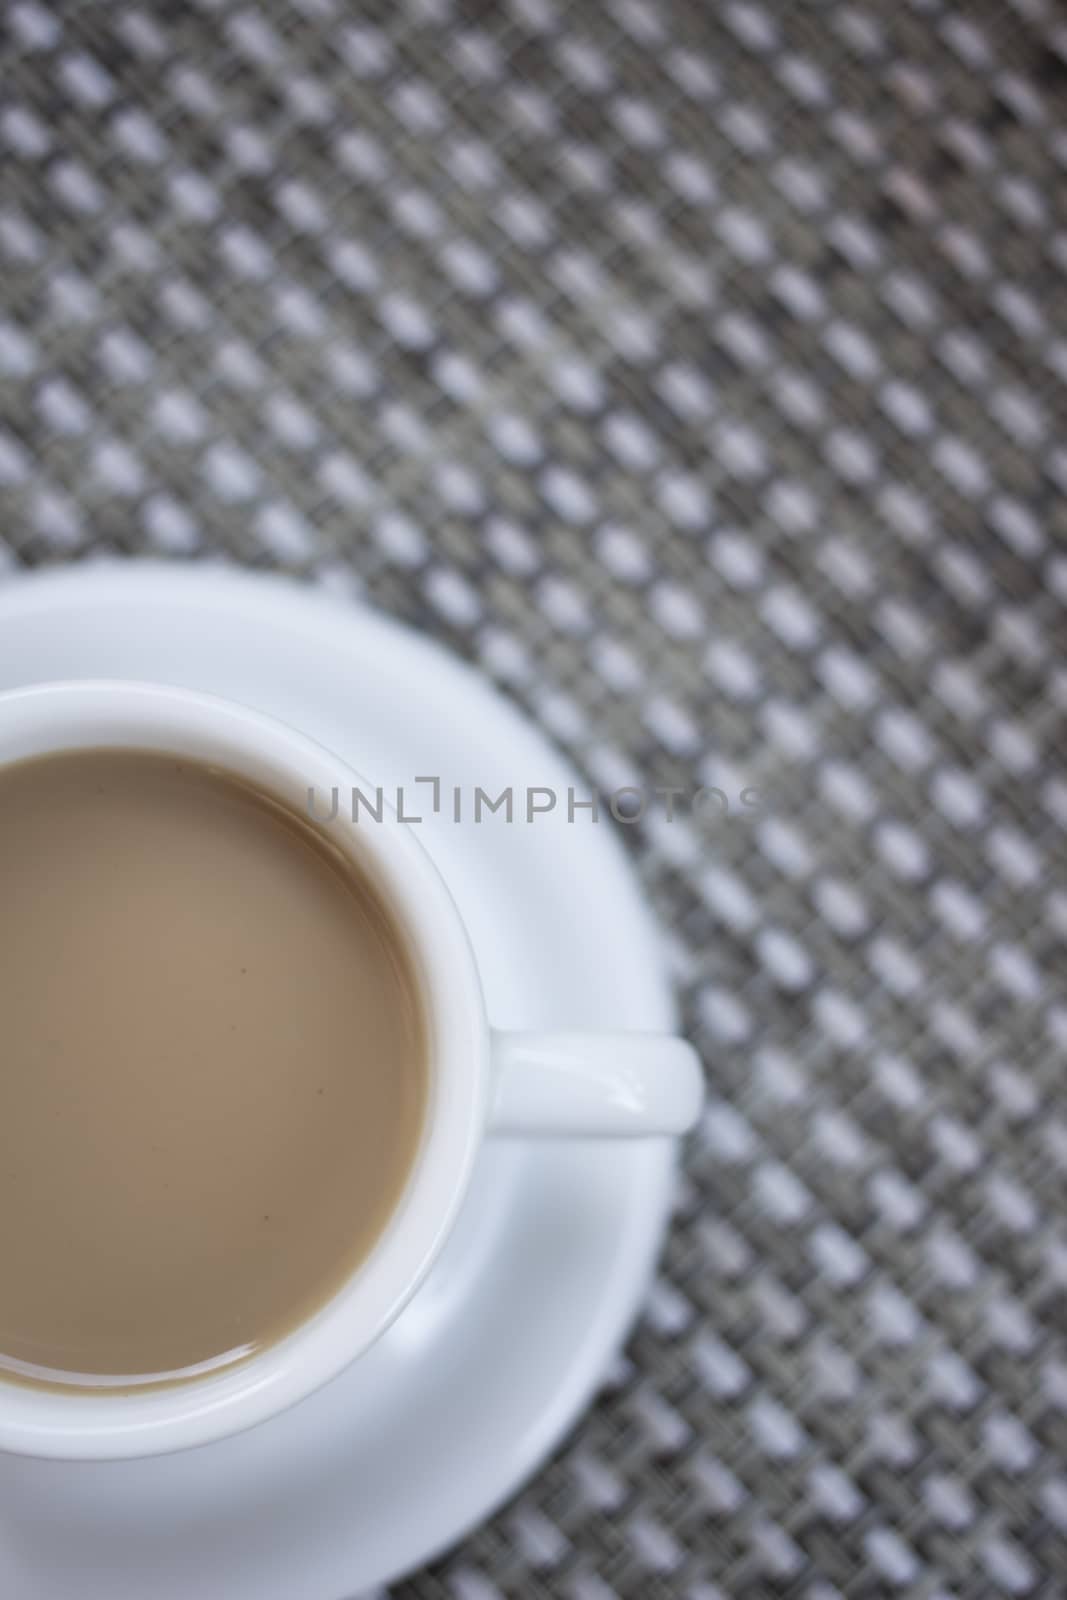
x=213 y=1068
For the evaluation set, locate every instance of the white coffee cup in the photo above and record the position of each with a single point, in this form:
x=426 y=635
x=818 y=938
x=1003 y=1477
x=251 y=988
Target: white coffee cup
x=482 y=1082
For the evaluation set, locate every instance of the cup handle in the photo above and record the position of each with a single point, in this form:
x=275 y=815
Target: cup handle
x=619 y=1085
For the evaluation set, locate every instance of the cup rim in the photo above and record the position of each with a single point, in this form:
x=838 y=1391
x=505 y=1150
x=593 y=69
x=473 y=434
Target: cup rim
x=113 y=713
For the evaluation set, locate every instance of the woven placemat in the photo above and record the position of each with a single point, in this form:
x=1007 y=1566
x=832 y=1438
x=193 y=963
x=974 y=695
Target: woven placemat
x=698 y=370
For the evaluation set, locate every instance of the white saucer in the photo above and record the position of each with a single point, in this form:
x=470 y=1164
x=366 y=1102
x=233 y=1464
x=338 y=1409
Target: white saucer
x=504 y=1346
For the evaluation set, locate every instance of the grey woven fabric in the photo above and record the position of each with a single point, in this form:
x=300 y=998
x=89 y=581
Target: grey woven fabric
x=699 y=371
